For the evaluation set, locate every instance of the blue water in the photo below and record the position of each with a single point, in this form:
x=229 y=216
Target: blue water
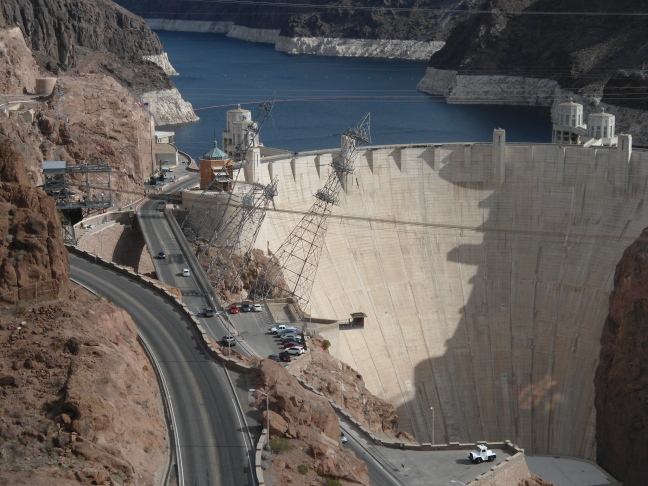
x=216 y=71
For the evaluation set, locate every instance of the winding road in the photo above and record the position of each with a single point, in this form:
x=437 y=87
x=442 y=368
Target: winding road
x=213 y=440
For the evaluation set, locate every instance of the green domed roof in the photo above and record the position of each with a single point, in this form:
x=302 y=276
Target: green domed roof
x=215 y=153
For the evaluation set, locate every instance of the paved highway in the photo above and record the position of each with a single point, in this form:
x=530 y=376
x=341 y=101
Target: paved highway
x=211 y=435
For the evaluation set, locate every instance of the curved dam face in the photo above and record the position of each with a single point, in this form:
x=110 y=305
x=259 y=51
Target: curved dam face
x=484 y=270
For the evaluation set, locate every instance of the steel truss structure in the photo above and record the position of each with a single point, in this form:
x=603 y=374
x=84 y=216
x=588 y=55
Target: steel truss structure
x=92 y=180
x=205 y=220
x=291 y=271
x=243 y=227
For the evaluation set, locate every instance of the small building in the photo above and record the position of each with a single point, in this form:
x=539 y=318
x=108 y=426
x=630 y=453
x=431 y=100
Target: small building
x=216 y=163
x=165 y=155
x=164 y=137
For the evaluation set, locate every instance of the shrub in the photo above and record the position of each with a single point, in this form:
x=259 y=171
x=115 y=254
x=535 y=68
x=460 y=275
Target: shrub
x=280 y=444
x=326 y=344
x=302 y=469
x=332 y=482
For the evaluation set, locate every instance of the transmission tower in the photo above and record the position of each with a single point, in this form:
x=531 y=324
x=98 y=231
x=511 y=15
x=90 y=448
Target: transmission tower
x=243 y=229
x=291 y=271
x=204 y=221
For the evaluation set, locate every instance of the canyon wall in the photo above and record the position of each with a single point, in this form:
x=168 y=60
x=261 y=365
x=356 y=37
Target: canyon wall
x=621 y=377
x=484 y=270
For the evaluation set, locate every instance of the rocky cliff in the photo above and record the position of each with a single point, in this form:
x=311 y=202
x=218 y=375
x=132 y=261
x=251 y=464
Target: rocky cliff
x=94 y=37
x=622 y=378
x=403 y=29
x=528 y=52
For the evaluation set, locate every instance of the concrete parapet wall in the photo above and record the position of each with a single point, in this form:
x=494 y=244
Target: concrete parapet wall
x=485 y=290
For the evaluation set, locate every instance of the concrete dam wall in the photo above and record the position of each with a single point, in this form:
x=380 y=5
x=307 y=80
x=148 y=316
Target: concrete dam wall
x=484 y=270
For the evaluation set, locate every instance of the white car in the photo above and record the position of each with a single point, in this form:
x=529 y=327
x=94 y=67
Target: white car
x=297 y=351
x=343 y=438
x=185 y=272
x=256 y=307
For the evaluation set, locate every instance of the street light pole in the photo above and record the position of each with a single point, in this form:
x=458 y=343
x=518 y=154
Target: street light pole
x=432 y=408
x=252 y=390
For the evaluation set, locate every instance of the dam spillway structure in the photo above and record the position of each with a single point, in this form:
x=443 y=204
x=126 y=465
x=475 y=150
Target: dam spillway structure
x=484 y=270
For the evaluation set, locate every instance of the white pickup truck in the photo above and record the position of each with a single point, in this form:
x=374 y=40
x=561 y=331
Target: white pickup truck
x=482 y=454
x=282 y=327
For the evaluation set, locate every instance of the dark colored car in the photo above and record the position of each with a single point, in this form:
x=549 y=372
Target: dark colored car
x=291 y=340
x=207 y=312
x=161 y=255
x=274 y=357
x=285 y=357
x=233 y=309
x=229 y=341
x=245 y=307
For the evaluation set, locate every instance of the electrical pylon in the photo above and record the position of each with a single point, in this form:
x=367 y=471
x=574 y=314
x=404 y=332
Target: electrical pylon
x=243 y=230
x=291 y=270
x=204 y=221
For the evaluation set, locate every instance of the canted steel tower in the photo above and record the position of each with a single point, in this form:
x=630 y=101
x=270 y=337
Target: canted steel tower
x=291 y=271
x=205 y=219
x=242 y=229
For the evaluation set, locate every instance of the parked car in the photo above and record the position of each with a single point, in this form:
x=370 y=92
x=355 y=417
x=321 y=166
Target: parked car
x=274 y=357
x=229 y=341
x=482 y=454
x=185 y=272
x=295 y=350
x=284 y=356
x=285 y=332
x=233 y=309
x=282 y=327
x=161 y=255
x=289 y=335
x=256 y=307
x=292 y=345
x=245 y=307
x=343 y=438
x=291 y=340
x=207 y=311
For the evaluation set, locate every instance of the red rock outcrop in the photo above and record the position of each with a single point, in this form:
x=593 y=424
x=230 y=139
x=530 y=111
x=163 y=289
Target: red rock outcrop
x=18 y=71
x=535 y=481
x=78 y=405
x=622 y=376
x=345 y=386
x=308 y=425
x=32 y=253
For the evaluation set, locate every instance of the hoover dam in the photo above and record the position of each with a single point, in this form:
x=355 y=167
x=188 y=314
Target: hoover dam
x=484 y=270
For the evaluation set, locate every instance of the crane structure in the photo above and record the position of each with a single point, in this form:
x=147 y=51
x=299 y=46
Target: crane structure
x=205 y=220
x=92 y=182
x=242 y=229
x=291 y=270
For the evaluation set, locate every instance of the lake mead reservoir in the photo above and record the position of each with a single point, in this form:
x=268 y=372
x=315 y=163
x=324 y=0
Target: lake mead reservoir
x=317 y=98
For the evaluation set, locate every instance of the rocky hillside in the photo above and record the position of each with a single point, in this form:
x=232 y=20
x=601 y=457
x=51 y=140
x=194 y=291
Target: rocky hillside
x=581 y=44
x=622 y=377
x=64 y=35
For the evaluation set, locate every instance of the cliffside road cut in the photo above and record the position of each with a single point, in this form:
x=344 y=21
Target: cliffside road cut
x=213 y=452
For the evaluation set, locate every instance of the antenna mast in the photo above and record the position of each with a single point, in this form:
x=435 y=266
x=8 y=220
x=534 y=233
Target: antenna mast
x=291 y=272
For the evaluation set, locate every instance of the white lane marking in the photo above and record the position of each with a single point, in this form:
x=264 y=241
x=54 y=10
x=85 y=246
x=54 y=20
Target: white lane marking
x=166 y=393
x=173 y=420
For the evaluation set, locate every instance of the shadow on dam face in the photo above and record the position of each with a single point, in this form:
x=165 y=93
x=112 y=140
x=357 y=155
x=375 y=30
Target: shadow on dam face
x=485 y=286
